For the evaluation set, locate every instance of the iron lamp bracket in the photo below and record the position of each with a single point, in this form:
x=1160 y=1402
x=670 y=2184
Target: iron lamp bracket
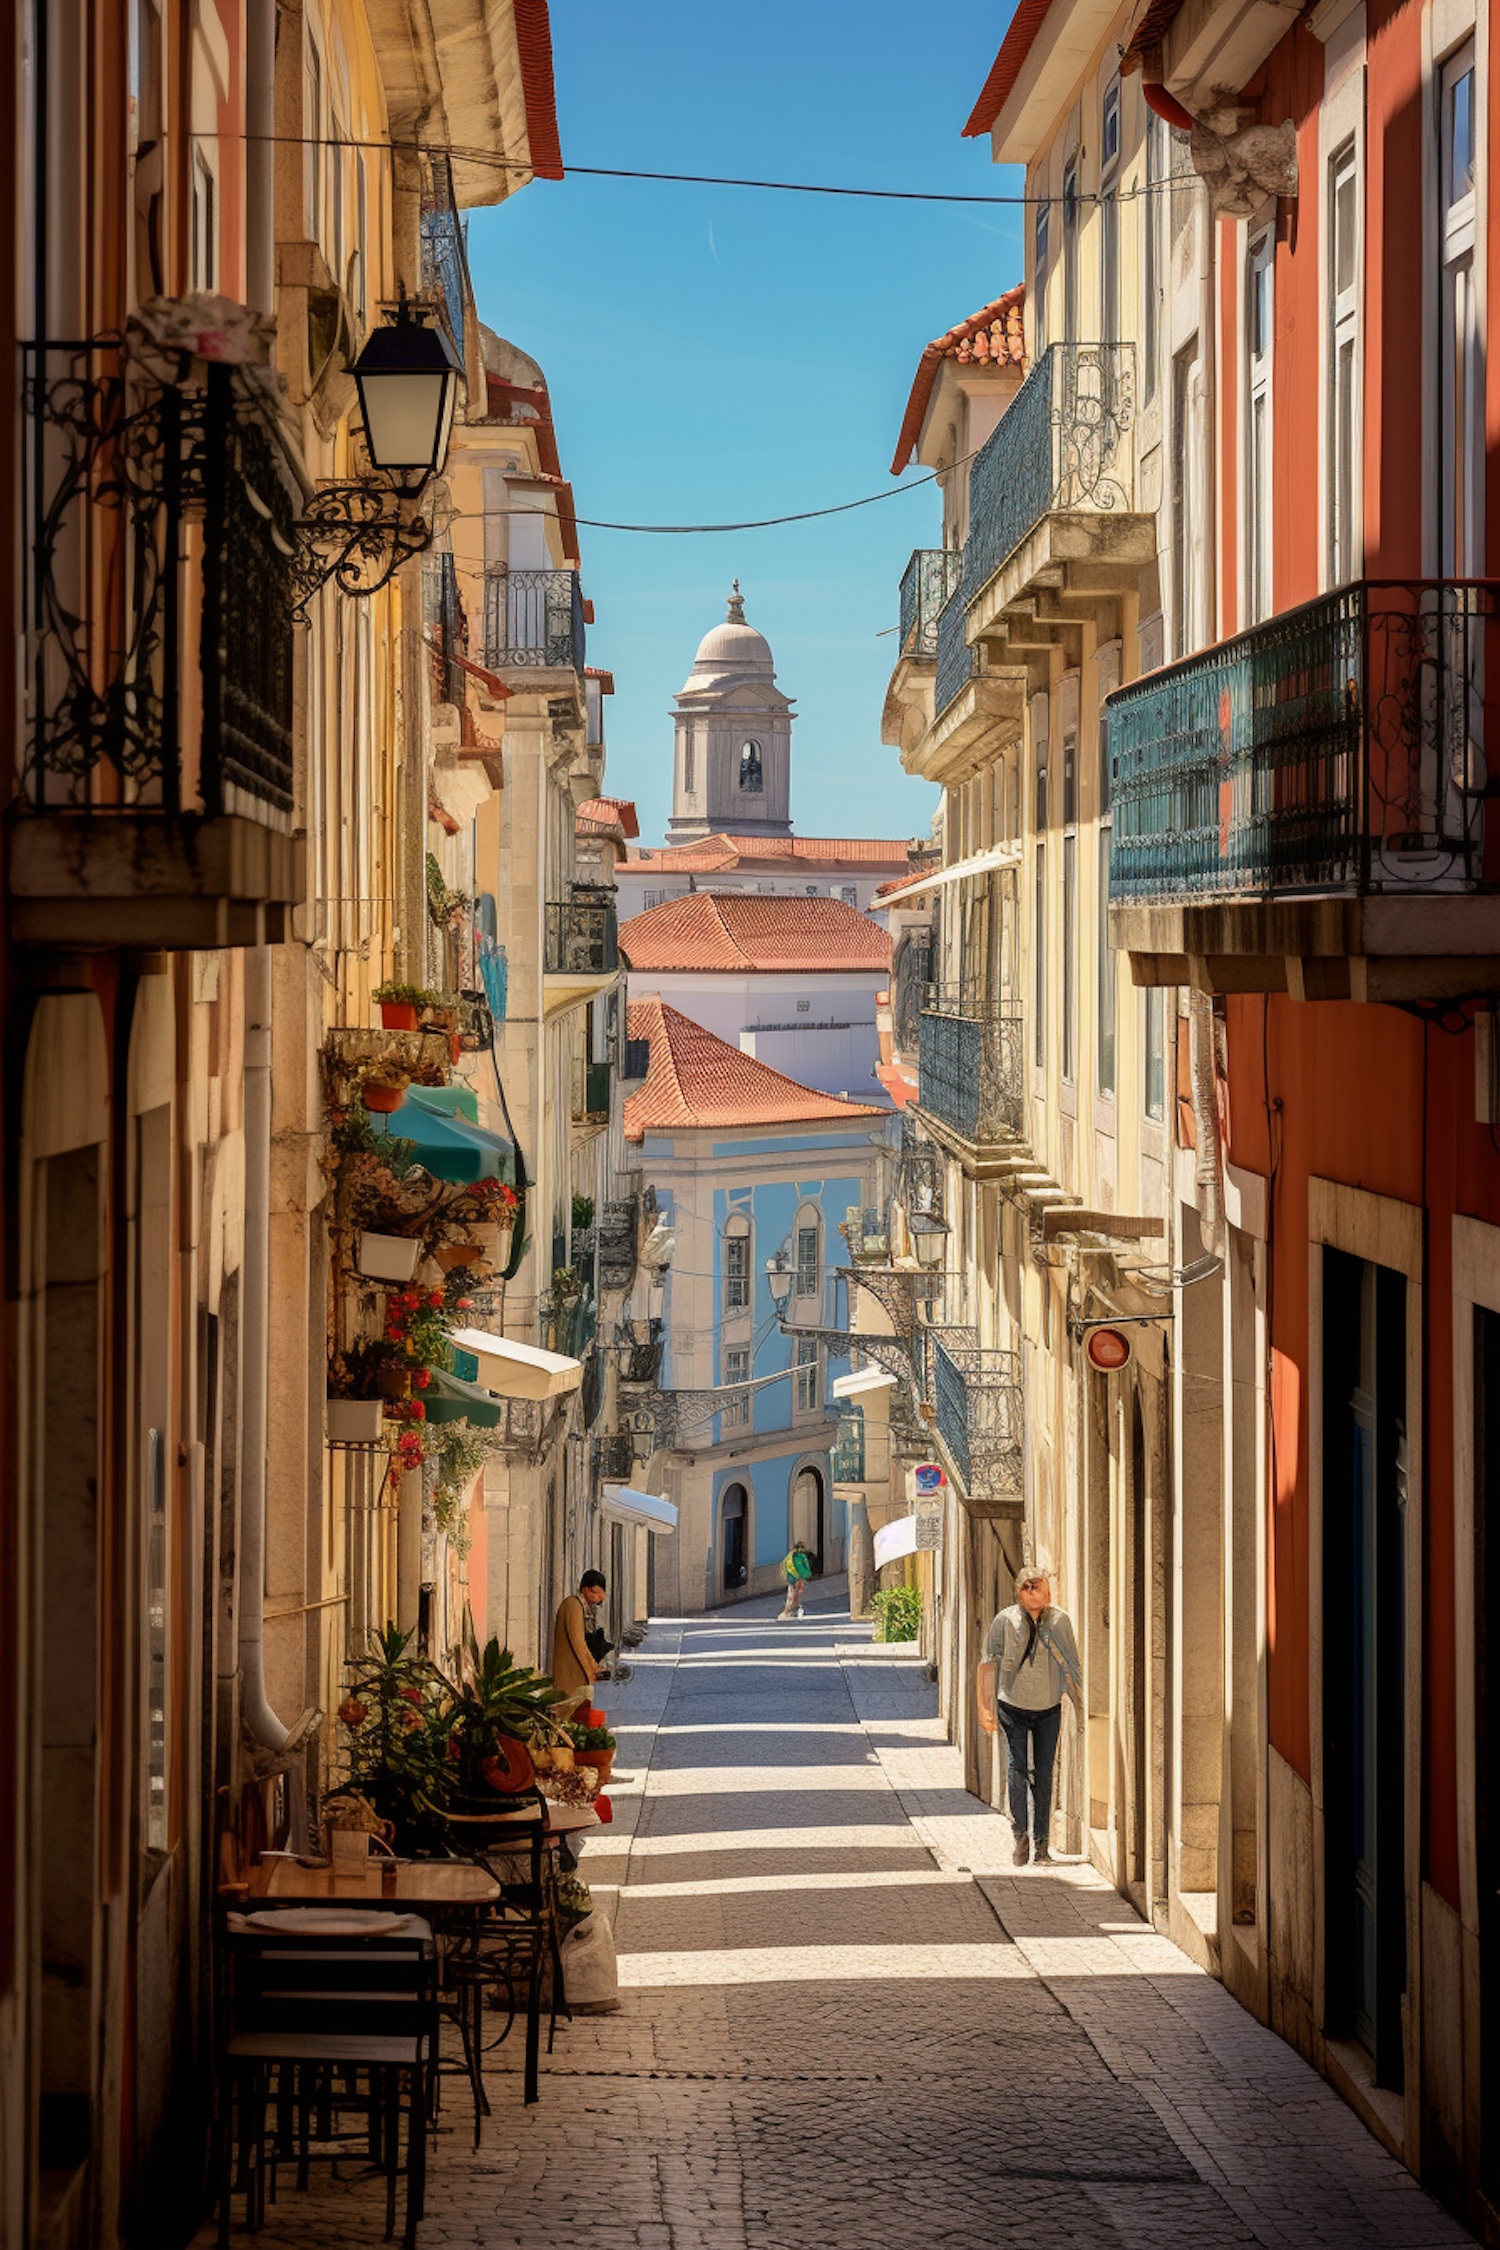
x=356 y=533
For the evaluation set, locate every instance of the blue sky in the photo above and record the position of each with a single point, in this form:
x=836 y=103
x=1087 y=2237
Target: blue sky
x=720 y=353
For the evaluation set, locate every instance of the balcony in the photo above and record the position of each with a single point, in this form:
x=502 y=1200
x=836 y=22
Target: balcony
x=533 y=621
x=591 y=1095
x=976 y=1397
x=614 y=1458
x=971 y=1078
x=616 y=1231
x=157 y=803
x=861 y=1452
x=580 y=956
x=947 y=740
x=1302 y=809
x=1055 y=529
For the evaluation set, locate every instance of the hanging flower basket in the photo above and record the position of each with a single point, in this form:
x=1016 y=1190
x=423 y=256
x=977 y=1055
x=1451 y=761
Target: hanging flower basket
x=381 y=1098
x=355 y=1421
x=388 y=1257
x=397 y=1015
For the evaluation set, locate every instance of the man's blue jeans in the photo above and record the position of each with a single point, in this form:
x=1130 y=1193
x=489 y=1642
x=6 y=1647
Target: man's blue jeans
x=1031 y=1744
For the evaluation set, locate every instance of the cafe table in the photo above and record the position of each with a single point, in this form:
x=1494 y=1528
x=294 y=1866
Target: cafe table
x=419 y=1885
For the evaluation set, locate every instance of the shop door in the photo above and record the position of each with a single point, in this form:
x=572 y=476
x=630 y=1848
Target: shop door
x=736 y=1568
x=1364 y=1684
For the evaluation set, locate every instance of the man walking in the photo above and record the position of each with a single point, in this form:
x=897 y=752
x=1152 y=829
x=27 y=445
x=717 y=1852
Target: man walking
x=574 y=1666
x=796 y=1568
x=1030 y=1663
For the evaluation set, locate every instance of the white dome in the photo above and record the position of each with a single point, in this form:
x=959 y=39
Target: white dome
x=735 y=646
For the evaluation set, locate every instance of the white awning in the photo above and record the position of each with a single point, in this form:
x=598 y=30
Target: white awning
x=863 y=1379
x=518 y=1370
x=982 y=863
x=893 y=1540
x=643 y=1510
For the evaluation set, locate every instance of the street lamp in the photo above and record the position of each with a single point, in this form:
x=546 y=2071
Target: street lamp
x=408 y=381
x=779 y=1281
x=929 y=1235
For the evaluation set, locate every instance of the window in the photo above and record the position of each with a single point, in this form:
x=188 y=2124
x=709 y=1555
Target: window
x=1461 y=376
x=752 y=781
x=689 y=777
x=1184 y=480
x=1156 y=172
x=737 y=1268
x=1343 y=365
x=655 y=898
x=312 y=126
x=804 y=1007
x=1039 y=933
x=807 y=1261
x=335 y=155
x=1039 y=276
x=203 y=223
x=1070 y=251
x=1109 y=218
x=735 y=1412
x=1259 y=336
x=1156 y=1051
x=1109 y=133
x=1109 y=680
x=1070 y=909
x=807 y=1374
x=848 y=894
x=737 y=1366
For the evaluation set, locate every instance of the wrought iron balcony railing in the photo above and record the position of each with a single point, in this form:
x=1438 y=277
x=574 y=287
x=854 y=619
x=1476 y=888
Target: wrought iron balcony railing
x=848 y=1459
x=639 y=1351
x=1065 y=443
x=926 y=583
x=616 y=1231
x=957 y=663
x=523 y=1423
x=614 y=1457
x=445 y=263
x=533 y=618
x=581 y=936
x=1336 y=749
x=160 y=588
x=911 y=973
x=971 y=1071
x=976 y=1395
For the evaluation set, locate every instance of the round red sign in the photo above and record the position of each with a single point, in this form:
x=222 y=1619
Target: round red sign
x=1108 y=1349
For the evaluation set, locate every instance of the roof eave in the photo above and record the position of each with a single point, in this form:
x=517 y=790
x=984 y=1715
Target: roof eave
x=473 y=75
x=1064 y=46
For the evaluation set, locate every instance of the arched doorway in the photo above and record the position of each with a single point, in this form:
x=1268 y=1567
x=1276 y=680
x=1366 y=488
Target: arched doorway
x=805 y=1515
x=735 y=1539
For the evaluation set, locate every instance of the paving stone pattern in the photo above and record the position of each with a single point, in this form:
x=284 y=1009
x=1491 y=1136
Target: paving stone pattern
x=848 y=2020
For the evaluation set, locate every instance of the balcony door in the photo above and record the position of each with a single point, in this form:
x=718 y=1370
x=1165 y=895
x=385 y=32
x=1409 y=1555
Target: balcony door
x=1364 y=1655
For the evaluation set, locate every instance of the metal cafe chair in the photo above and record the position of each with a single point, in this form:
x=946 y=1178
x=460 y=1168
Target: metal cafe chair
x=322 y=2027
x=505 y=1953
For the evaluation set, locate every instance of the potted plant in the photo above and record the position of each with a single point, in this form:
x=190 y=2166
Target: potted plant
x=356 y=1401
x=385 y=1094
x=401 y=1005
x=387 y=1257
x=595 y=1746
x=493 y=1715
x=395 y=1742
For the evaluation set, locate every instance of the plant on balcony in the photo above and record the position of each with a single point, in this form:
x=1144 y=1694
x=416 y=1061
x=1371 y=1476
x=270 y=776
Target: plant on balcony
x=583 y=1213
x=355 y=1394
x=461 y=1454
x=394 y=1742
x=401 y=1005
x=444 y=907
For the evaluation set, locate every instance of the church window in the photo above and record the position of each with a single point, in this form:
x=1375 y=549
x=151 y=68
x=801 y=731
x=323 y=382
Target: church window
x=687 y=767
x=751 y=779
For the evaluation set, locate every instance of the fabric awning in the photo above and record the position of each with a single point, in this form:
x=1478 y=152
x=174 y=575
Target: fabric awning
x=448 y=1398
x=981 y=863
x=623 y=1504
x=448 y=1143
x=518 y=1370
x=893 y=1540
x=863 y=1379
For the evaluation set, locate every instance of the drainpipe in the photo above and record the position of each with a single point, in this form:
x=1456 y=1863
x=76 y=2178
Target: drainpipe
x=259 y=1719
x=260 y=155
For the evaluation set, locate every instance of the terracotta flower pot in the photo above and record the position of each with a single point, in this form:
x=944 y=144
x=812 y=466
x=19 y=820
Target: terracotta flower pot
x=453 y=1254
x=398 y=1015
x=600 y=1762
x=511 y=1769
x=382 y=1099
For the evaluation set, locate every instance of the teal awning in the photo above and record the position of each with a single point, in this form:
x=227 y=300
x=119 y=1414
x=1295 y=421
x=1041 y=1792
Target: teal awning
x=450 y=1147
x=456 y=1100
x=448 y=1398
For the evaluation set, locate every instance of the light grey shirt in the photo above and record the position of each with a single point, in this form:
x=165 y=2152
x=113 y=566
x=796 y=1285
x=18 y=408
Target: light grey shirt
x=1036 y=1682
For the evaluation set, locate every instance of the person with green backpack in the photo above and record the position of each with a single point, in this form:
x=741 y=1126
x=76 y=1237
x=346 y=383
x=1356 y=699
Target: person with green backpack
x=796 y=1569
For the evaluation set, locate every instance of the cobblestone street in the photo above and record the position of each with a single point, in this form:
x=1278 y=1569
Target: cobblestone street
x=841 y=2024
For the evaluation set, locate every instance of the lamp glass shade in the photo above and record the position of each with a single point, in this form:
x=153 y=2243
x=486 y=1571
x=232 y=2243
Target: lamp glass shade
x=408 y=390
x=928 y=1237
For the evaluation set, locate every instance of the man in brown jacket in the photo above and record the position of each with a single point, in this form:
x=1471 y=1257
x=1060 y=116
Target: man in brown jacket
x=573 y=1665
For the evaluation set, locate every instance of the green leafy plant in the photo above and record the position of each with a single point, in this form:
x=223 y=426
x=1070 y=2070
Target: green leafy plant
x=498 y=1700
x=406 y=995
x=592 y=1738
x=356 y=1373
x=395 y=1739
x=898 y=1613
x=583 y=1212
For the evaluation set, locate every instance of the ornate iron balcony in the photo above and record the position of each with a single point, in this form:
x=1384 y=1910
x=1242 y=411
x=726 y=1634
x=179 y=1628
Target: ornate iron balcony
x=638 y=1354
x=523 y=1423
x=533 y=618
x=911 y=973
x=976 y=1394
x=581 y=936
x=125 y=605
x=1338 y=749
x=971 y=1073
x=1065 y=443
x=926 y=583
x=957 y=663
x=615 y=1232
x=614 y=1457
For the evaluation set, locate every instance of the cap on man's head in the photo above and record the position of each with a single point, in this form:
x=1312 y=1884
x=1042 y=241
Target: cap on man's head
x=593 y=1578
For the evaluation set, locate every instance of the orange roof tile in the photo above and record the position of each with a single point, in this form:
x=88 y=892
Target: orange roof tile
x=538 y=90
x=738 y=930
x=717 y=854
x=698 y=1079
x=992 y=337
x=612 y=812
x=1006 y=67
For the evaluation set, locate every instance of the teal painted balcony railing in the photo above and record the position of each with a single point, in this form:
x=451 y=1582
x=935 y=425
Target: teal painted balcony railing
x=1337 y=749
x=1065 y=442
x=927 y=581
x=976 y=1397
x=957 y=663
x=848 y=1461
x=971 y=1065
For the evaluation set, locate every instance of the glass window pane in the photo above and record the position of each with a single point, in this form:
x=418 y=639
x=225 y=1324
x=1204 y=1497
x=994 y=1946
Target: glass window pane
x=1461 y=138
x=807 y=1261
x=1156 y=1052
x=1106 y=975
x=1344 y=219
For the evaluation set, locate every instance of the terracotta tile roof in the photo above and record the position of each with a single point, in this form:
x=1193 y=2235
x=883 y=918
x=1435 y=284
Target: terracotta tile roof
x=1149 y=32
x=610 y=812
x=992 y=337
x=538 y=90
x=715 y=855
x=1007 y=66
x=738 y=930
x=894 y=890
x=697 y=1079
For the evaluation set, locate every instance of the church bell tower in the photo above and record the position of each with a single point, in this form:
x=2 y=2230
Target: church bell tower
x=733 y=760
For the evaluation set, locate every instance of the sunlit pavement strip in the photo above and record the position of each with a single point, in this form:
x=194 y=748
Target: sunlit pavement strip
x=846 y=2020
